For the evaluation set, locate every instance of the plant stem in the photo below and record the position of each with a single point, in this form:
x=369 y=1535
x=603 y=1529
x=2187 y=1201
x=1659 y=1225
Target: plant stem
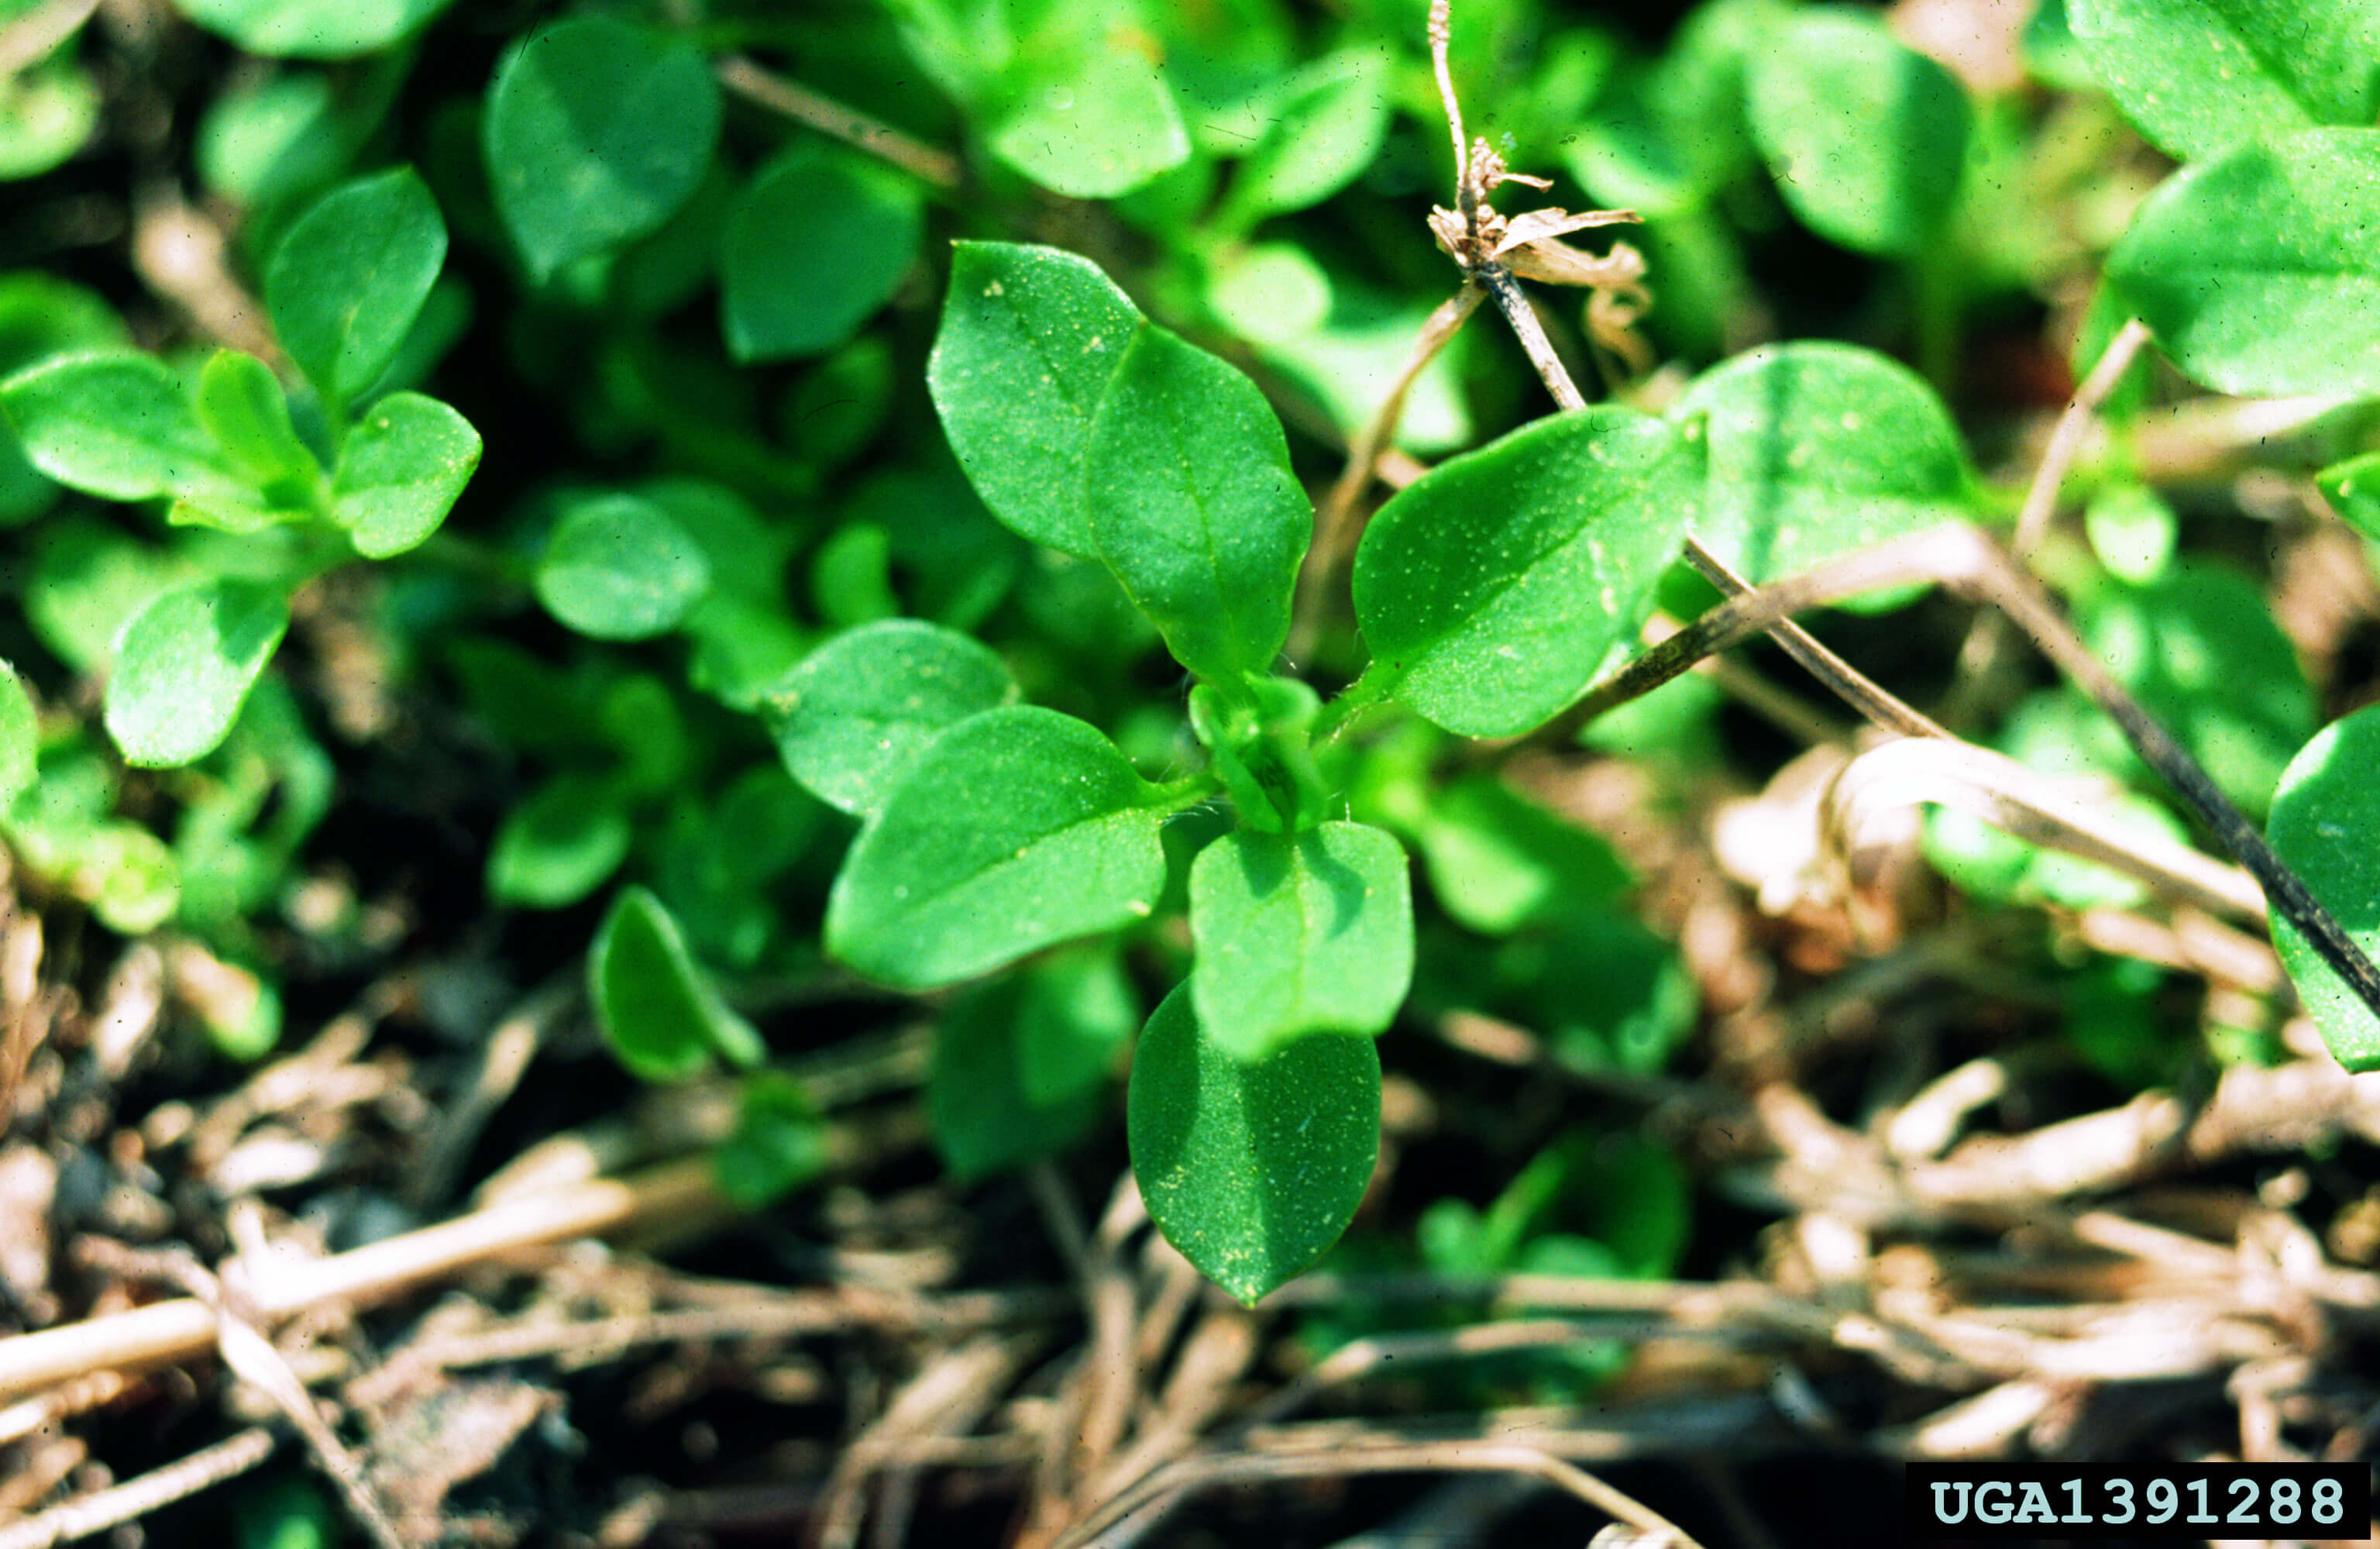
x=1966 y=560
x=1854 y=688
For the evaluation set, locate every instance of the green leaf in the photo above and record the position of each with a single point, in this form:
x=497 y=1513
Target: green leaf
x=1300 y=934
x=854 y=717
x=1867 y=136
x=47 y=112
x=1252 y=1169
x=1091 y=117
x=2200 y=649
x=240 y=404
x=2132 y=529
x=1817 y=450
x=349 y=276
x=1320 y=129
x=2257 y=271
x=1497 y=860
x=184 y=666
x=114 y=425
x=1030 y=338
x=1016 y=829
x=778 y=1144
x=596 y=132
x=1021 y=1063
x=653 y=1003
x=2200 y=76
x=1491 y=590
x=618 y=567
x=401 y=470
x=560 y=845
x=819 y=241
x=2324 y=817
x=20 y=735
x=1193 y=505
x=312 y=28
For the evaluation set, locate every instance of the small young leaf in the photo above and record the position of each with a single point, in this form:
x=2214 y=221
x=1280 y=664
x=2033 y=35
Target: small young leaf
x=1091 y=117
x=1016 y=829
x=1491 y=590
x=854 y=716
x=1300 y=934
x=1021 y=1063
x=1251 y=1170
x=819 y=241
x=1320 y=129
x=1817 y=450
x=312 y=28
x=116 y=425
x=1030 y=338
x=2257 y=272
x=184 y=666
x=618 y=568
x=242 y=405
x=401 y=470
x=1867 y=136
x=349 y=277
x=2324 y=817
x=653 y=1003
x=20 y=737
x=560 y=845
x=596 y=132
x=2200 y=76
x=1193 y=505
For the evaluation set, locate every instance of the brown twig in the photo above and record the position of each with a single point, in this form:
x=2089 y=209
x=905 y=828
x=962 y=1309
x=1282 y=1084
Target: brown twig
x=828 y=116
x=165 y=1332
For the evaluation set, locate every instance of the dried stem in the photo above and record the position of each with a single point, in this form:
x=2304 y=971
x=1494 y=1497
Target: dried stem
x=1967 y=561
x=828 y=116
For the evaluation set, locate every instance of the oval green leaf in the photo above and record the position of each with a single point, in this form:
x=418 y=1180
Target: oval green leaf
x=350 y=275
x=116 y=425
x=1299 y=933
x=1867 y=138
x=618 y=568
x=596 y=133
x=1030 y=338
x=653 y=1003
x=2324 y=821
x=184 y=666
x=560 y=845
x=1817 y=450
x=1191 y=503
x=853 y=716
x=1091 y=117
x=2200 y=76
x=817 y=244
x=1491 y=590
x=1016 y=829
x=242 y=405
x=311 y=29
x=2257 y=271
x=1021 y=1063
x=1253 y=1170
x=401 y=470
x=1323 y=127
